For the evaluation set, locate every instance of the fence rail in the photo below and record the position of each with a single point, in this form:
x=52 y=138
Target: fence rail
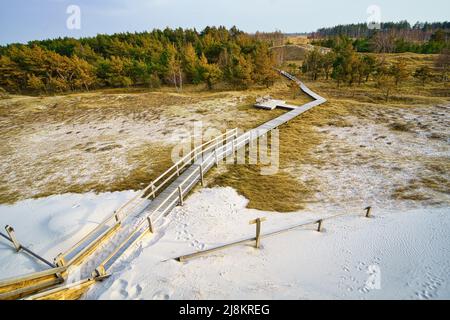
x=96 y=236
x=318 y=222
x=202 y=162
x=18 y=287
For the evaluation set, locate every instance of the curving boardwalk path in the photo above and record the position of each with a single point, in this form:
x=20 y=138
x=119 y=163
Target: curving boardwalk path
x=96 y=254
x=162 y=205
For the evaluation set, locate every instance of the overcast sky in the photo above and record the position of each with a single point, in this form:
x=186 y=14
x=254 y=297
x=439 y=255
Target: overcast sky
x=24 y=20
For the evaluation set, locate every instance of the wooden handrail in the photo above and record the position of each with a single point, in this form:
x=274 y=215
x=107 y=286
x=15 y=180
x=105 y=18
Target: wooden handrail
x=253 y=238
x=185 y=161
x=192 y=155
x=31 y=276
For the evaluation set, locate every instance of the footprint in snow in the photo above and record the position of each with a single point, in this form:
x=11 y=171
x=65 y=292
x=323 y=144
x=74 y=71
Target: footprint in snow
x=198 y=245
x=364 y=290
x=161 y=295
x=119 y=290
x=135 y=292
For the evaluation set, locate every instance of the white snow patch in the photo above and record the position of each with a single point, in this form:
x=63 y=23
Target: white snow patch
x=48 y=226
x=408 y=252
x=364 y=165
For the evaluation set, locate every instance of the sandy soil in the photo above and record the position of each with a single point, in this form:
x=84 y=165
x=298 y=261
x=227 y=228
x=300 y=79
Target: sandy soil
x=104 y=141
x=396 y=158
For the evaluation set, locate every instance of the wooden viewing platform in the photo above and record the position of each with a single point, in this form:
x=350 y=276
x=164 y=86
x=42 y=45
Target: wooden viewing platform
x=270 y=104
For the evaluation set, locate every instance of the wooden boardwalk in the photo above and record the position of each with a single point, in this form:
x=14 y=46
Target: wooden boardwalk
x=174 y=193
x=94 y=255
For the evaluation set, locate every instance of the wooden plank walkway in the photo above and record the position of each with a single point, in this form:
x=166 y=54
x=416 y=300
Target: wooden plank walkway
x=170 y=197
x=251 y=135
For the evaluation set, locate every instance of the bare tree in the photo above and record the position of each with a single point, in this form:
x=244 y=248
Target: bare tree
x=442 y=64
x=383 y=42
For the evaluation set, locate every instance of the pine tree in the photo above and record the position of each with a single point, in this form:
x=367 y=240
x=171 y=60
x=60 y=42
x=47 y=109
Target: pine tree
x=423 y=74
x=242 y=70
x=210 y=73
x=327 y=63
x=173 y=71
x=191 y=64
x=35 y=83
x=399 y=71
x=83 y=74
x=12 y=78
x=264 y=64
x=386 y=83
x=370 y=63
x=313 y=64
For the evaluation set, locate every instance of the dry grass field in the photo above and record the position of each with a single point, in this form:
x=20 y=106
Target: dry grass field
x=110 y=140
x=115 y=140
x=323 y=141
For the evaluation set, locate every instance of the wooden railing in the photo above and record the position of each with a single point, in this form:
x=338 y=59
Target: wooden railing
x=211 y=153
x=318 y=222
x=17 y=287
x=151 y=191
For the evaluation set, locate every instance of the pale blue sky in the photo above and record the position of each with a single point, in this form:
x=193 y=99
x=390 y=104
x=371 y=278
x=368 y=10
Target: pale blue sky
x=24 y=20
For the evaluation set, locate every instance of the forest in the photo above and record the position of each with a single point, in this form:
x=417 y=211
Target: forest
x=346 y=66
x=147 y=59
x=392 y=37
x=231 y=57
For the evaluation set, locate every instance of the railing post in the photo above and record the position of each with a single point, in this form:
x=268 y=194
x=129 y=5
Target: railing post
x=368 y=209
x=201 y=175
x=258 y=230
x=319 y=225
x=99 y=272
x=150 y=225
x=12 y=236
x=153 y=191
x=178 y=171
x=180 y=195
x=60 y=261
x=217 y=157
x=116 y=216
x=258 y=233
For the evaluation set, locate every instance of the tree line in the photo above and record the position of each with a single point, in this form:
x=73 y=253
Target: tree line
x=420 y=31
x=149 y=59
x=390 y=38
x=345 y=66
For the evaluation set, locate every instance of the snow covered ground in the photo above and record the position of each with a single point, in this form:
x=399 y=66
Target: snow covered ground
x=48 y=226
x=395 y=255
x=401 y=253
